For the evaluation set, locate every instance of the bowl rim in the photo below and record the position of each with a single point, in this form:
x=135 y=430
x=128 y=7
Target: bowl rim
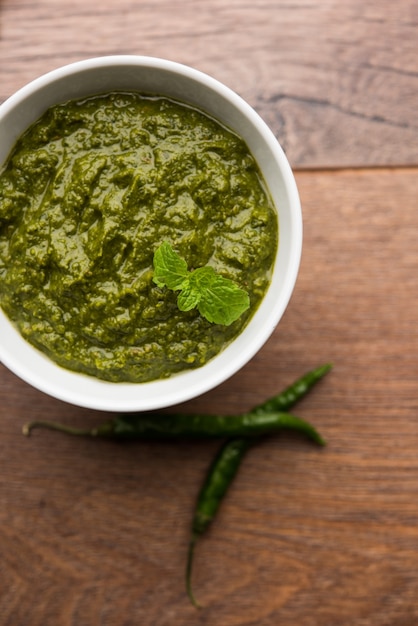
x=89 y=392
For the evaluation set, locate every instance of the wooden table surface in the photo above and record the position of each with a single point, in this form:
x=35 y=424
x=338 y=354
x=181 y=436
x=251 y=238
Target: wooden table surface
x=95 y=533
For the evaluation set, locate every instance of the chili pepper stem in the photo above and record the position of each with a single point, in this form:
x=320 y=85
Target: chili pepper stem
x=192 y=598
x=69 y=430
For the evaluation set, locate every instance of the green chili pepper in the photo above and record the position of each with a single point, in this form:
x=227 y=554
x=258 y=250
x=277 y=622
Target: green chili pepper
x=220 y=475
x=180 y=425
x=295 y=392
x=266 y=417
x=226 y=464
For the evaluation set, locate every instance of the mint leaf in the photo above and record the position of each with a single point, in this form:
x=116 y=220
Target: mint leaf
x=218 y=299
x=222 y=301
x=202 y=278
x=170 y=270
x=188 y=298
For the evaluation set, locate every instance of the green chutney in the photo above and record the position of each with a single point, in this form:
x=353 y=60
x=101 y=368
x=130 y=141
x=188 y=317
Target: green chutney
x=88 y=194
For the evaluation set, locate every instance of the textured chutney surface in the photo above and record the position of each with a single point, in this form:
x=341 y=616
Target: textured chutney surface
x=88 y=194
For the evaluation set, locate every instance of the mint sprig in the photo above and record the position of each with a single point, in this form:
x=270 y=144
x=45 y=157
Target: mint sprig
x=217 y=298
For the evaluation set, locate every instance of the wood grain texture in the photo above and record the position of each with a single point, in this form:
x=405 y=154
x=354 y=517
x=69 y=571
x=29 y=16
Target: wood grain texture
x=337 y=81
x=95 y=533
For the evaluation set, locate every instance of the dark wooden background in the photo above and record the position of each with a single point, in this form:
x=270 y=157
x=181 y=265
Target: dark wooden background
x=95 y=533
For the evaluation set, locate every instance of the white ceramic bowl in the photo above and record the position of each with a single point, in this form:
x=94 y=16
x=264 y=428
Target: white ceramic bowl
x=158 y=76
